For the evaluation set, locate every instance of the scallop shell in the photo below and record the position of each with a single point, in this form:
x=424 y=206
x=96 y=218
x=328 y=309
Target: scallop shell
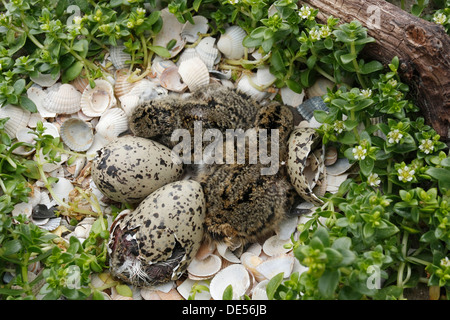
x=185 y=289
x=45 y=79
x=24 y=135
x=331 y=155
x=18 y=119
x=171 y=80
x=244 y=85
x=208 y=52
x=264 y=77
x=259 y=292
x=159 y=65
x=190 y=31
x=275 y=265
x=339 y=167
x=122 y=84
x=230 y=42
x=226 y=253
x=119 y=57
x=319 y=88
x=51 y=129
x=36 y=94
x=187 y=54
x=287 y=227
x=112 y=123
x=235 y=275
x=66 y=99
x=95 y=101
x=274 y=246
x=77 y=134
x=291 y=98
x=204 y=269
x=51 y=224
x=80 y=83
x=170 y=30
x=307 y=108
x=194 y=73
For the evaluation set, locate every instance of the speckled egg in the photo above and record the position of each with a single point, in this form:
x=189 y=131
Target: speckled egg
x=156 y=242
x=304 y=167
x=130 y=168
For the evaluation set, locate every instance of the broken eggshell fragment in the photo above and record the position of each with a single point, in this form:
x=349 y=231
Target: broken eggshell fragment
x=156 y=242
x=130 y=168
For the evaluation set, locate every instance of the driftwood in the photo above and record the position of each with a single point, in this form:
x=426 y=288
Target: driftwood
x=422 y=47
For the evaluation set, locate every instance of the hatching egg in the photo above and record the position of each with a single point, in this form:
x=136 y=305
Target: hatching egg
x=130 y=168
x=156 y=242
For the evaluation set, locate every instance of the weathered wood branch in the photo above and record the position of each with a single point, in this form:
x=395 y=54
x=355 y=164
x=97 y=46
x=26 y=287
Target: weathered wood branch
x=422 y=47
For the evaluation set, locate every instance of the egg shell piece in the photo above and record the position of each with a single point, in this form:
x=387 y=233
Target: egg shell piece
x=130 y=168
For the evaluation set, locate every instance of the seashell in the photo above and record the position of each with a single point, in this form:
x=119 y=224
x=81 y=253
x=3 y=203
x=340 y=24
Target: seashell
x=24 y=135
x=226 y=253
x=128 y=102
x=95 y=101
x=287 y=227
x=206 y=249
x=77 y=134
x=194 y=73
x=254 y=248
x=171 y=80
x=274 y=246
x=52 y=224
x=250 y=261
x=275 y=265
x=204 y=269
x=62 y=188
x=34 y=119
x=187 y=54
x=245 y=86
x=18 y=119
x=331 y=155
x=235 y=275
x=291 y=98
x=159 y=65
x=170 y=30
x=80 y=83
x=122 y=84
x=208 y=52
x=112 y=123
x=65 y=99
x=185 y=289
x=335 y=181
x=190 y=32
x=45 y=79
x=119 y=57
x=51 y=128
x=171 y=295
x=264 y=77
x=230 y=42
x=22 y=208
x=307 y=108
x=259 y=292
x=319 y=88
x=99 y=142
x=38 y=96
x=339 y=167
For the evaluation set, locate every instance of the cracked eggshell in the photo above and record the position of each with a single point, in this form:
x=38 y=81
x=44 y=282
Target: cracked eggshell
x=130 y=168
x=161 y=237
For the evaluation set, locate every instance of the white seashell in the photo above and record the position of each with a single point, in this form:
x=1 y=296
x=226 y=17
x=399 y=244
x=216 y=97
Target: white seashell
x=298 y=267
x=286 y=228
x=37 y=95
x=18 y=118
x=171 y=80
x=77 y=134
x=206 y=249
x=250 y=261
x=230 y=42
x=22 y=208
x=51 y=129
x=185 y=289
x=259 y=292
x=335 y=181
x=264 y=77
x=159 y=65
x=274 y=246
x=170 y=30
x=255 y=248
x=82 y=231
x=51 y=224
x=187 y=54
x=122 y=84
x=95 y=101
x=119 y=57
x=331 y=155
x=80 y=83
x=34 y=119
x=235 y=275
x=99 y=142
x=204 y=269
x=244 y=85
x=62 y=188
x=319 y=88
x=45 y=80
x=275 y=265
x=66 y=99
x=194 y=73
x=24 y=135
x=190 y=31
x=226 y=253
x=112 y=123
x=290 y=97
x=339 y=167
x=128 y=102
x=206 y=51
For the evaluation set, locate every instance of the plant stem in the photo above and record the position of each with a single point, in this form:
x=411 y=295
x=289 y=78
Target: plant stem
x=356 y=66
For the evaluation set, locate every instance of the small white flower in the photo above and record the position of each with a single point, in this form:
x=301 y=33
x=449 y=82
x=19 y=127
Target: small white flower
x=338 y=126
x=440 y=18
x=233 y=1
x=394 y=136
x=77 y=20
x=130 y=25
x=305 y=12
x=140 y=11
x=426 y=145
x=393 y=82
x=314 y=34
x=373 y=180
x=325 y=31
x=405 y=174
x=445 y=262
x=359 y=153
x=366 y=93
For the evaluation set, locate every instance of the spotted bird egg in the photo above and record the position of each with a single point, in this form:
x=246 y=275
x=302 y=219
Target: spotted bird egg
x=130 y=168
x=156 y=242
